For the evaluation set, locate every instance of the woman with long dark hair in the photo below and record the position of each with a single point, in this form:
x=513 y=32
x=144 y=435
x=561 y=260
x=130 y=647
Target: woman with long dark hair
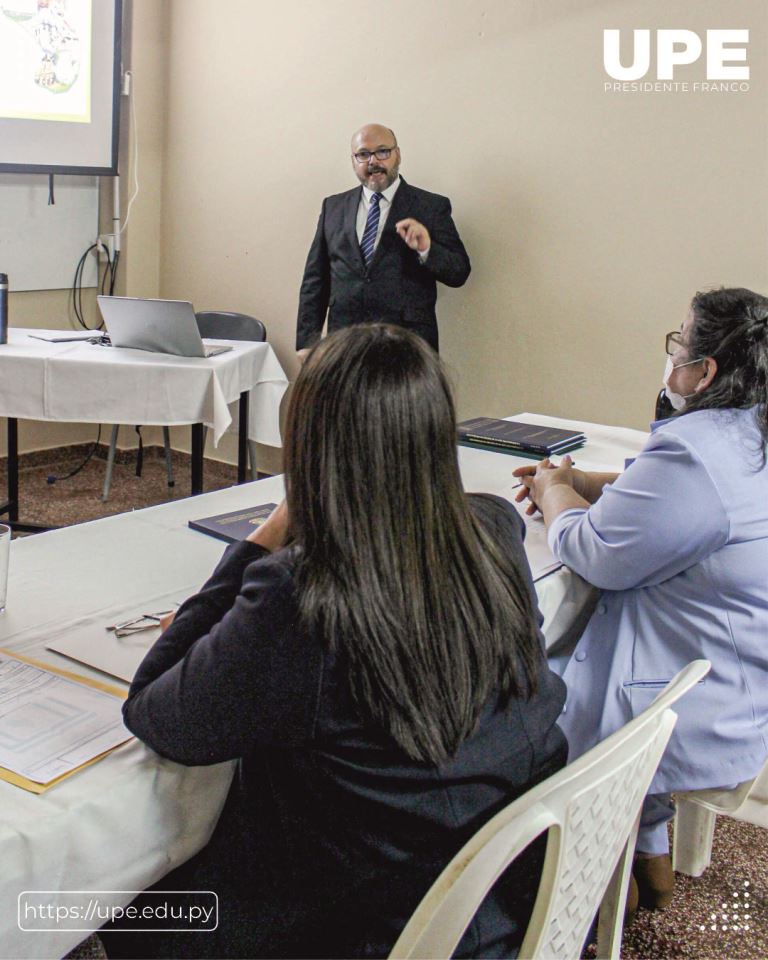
x=372 y=656
x=678 y=544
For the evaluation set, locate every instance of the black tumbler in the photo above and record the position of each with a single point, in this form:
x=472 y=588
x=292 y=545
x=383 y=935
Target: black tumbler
x=3 y=308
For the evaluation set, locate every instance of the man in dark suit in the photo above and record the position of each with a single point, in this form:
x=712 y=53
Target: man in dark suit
x=379 y=249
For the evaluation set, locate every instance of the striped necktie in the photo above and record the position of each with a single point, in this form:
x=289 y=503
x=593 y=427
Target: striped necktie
x=368 y=241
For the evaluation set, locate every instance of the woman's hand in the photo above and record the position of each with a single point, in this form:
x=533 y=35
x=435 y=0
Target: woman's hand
x=273 y=533
x=539 y=480
x=586 y=483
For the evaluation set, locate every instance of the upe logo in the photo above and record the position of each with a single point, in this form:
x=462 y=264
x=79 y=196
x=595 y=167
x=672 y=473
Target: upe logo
x=724 y=49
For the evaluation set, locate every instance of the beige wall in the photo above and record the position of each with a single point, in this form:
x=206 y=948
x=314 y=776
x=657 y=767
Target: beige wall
x=590 y=218
x=144 y=121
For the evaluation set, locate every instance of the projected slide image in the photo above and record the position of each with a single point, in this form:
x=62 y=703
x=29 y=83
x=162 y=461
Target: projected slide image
x=45 y=60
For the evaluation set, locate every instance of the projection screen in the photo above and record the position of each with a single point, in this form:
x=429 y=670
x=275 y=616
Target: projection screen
x=59 y=86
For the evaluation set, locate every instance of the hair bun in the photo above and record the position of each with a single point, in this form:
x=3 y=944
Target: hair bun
x=757 y=331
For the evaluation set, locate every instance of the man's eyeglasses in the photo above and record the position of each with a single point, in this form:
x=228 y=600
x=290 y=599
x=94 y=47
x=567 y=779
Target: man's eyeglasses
x=673 y=342
x=363 y=156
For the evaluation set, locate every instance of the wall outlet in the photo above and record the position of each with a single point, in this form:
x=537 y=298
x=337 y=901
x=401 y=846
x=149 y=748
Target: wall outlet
x=106 y=247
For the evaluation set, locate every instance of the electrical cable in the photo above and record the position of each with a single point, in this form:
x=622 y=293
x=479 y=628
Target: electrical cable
x=135 y=155
x=113 y=272
x=75 y=283
x=139 y=452
x=77 y=291
x=107 y=273
x=54 y=479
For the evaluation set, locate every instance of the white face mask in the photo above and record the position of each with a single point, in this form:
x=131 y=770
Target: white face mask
x=676 y=399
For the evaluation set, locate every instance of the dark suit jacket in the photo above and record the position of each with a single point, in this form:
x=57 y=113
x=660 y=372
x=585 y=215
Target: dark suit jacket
x=332 y=833
x=395 y=287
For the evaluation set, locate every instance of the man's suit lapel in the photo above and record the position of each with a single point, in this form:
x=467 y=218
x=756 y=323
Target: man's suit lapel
x=400 y=205
x=349 y=223
x=400 y=210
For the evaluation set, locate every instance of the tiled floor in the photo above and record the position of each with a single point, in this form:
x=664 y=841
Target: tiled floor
x=685 y=929
x=735 y=886
x=79 y=498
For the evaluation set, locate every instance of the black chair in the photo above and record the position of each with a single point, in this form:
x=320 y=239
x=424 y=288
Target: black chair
x=219 y=325
x=216 y=325
x=664 y=408
x=222 y=325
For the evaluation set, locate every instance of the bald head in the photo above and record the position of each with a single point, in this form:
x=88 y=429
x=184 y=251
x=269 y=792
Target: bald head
x=376 y=173
x=374 y=131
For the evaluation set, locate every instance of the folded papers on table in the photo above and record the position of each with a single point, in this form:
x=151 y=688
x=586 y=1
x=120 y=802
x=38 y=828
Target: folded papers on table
x=53 y=722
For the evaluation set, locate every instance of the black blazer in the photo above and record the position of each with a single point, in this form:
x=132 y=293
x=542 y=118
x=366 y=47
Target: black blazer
x=331 y=831
x=395 y=287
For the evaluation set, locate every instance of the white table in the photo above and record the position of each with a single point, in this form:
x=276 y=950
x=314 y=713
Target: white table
x=128 y=820
x=80 y=382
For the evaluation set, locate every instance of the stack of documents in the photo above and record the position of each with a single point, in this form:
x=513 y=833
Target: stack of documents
x=52 y=722
x=512 y=436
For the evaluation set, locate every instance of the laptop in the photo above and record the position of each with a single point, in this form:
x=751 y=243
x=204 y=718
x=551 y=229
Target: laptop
x=160 y=326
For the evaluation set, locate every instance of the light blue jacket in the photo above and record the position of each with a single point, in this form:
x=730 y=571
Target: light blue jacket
x=679 y=547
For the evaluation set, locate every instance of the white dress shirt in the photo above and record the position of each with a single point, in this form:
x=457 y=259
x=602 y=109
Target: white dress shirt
x=387 y=196
x=385 y=204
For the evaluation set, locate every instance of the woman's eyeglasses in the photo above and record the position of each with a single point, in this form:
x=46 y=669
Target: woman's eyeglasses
x=673 y=342
x=147 y=621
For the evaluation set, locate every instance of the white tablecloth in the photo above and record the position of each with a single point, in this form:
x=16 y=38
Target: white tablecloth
x=85 y=383
x=123 y=823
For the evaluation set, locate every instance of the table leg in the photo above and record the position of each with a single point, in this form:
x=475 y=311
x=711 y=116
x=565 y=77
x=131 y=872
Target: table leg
x=197 y=458
x=242 y=438
x=11 y=506
x=13 y=469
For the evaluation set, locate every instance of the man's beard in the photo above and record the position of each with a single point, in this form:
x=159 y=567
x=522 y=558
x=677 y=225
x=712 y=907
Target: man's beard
x=381 y=186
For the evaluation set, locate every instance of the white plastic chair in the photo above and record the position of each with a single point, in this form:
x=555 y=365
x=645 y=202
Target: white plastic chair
x=591 y=809
x=697 y=811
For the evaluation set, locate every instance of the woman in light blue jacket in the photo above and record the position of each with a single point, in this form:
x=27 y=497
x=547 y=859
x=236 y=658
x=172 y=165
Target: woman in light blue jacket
x=678 y=545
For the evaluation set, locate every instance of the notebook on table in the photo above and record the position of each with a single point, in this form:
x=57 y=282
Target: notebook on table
x=511 y=436
x=160 y=326
x=236 y=525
